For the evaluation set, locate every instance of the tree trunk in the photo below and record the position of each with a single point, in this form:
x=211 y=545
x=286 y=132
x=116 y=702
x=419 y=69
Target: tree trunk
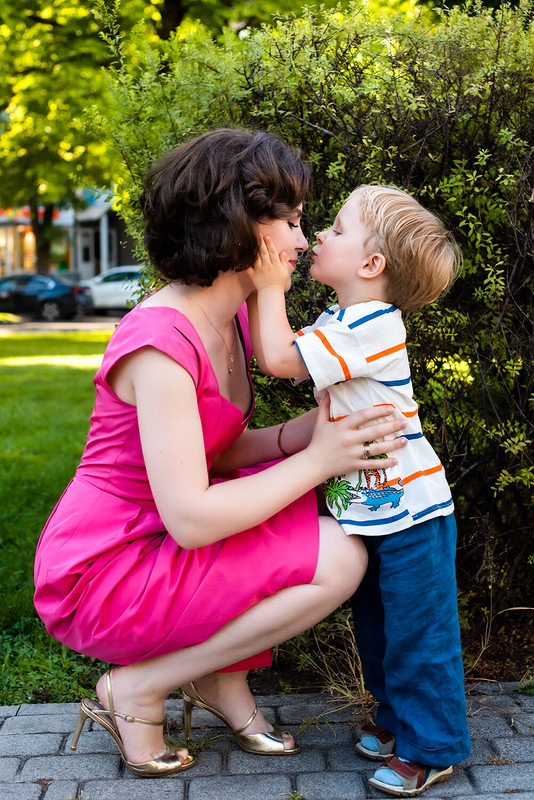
x=172 y=13
x=42 y=230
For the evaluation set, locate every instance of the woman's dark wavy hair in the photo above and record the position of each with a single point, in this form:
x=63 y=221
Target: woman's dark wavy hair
x=203 y=200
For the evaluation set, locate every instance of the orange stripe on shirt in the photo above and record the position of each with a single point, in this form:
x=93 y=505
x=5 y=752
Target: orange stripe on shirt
x=377 y=405
x=387 y=352
x=324 y=340
x=421 y=474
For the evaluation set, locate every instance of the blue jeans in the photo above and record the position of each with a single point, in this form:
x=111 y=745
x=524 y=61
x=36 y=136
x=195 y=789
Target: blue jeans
x=408 y=636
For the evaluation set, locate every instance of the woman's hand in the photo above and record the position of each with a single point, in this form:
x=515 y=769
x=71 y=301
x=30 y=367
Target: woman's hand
x=347 y=444
x=195 y=511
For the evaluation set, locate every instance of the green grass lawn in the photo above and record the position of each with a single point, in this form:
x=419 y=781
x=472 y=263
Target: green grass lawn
x=47 y=393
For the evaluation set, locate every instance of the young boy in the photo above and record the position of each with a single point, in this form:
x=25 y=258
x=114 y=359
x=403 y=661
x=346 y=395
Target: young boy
x=384 y=254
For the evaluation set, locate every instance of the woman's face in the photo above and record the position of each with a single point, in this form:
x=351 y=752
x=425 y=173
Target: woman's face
x=287 y=235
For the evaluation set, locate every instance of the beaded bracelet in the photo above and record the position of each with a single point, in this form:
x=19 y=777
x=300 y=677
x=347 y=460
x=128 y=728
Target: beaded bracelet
x=284 y=453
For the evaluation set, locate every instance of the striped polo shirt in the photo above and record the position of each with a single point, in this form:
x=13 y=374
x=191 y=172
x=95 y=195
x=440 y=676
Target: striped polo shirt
x=359 y=355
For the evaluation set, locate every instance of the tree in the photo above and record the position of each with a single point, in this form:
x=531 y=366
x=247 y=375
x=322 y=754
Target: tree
x=51 y=56
x=218 y=14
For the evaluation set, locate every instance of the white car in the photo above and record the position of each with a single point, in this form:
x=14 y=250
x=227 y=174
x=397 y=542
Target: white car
x=115 y=288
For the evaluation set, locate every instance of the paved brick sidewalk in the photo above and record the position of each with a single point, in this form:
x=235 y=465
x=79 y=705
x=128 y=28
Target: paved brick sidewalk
x=36 y=763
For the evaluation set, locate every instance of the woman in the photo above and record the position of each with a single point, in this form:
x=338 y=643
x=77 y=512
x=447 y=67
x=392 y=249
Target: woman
x=186 y=543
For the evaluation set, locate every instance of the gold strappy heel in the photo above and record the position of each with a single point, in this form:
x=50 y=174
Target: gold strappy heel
x=270 y=743
x=166 y=764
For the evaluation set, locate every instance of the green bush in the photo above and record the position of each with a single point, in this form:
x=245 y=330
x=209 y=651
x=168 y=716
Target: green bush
x=441 y=105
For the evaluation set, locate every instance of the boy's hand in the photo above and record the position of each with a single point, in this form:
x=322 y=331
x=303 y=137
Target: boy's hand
x=272 y=335
x=271 y=269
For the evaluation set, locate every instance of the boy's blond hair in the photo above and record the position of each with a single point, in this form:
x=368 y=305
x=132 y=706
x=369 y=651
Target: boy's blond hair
x=422 y=258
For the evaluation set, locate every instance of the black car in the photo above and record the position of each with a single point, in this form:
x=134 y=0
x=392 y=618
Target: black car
x=44 y=296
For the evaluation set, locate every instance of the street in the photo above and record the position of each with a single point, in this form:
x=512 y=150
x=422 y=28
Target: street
x=87 y=323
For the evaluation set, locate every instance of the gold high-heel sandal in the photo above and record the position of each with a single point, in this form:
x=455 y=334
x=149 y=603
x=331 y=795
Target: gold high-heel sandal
x=270 y=743
x=166 y=764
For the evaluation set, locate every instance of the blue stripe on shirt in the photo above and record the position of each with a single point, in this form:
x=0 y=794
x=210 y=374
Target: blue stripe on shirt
x=403 y=382
x=296 y=342
x=366 y=523
x=374 y=315
x=431 y=509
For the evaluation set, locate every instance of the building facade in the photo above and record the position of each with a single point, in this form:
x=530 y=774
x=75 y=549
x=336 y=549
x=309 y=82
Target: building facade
x=88 y=242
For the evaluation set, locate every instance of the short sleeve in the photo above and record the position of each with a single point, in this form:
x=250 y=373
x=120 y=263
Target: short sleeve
x=331 y=354
x=163 y=328
x=365 y=341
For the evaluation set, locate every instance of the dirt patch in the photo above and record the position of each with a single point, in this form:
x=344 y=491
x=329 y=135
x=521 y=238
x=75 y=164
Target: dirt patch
x=509 y=657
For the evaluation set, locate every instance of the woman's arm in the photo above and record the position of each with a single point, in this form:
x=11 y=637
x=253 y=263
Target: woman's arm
x=196 y=513
x=267 y=444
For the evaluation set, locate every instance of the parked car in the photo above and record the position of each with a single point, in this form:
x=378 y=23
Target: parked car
x=44 y=296
x=115 y=288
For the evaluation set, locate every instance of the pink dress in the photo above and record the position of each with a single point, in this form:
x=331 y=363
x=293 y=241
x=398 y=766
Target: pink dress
x=110 y=582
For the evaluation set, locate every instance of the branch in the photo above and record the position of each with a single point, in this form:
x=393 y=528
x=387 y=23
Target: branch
x=53 y=23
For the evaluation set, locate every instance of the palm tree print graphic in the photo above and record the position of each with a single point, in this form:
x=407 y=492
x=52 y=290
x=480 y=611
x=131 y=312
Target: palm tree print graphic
x=339 y=494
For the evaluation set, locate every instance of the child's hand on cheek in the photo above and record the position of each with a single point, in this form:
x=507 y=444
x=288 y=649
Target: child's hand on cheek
x=271 y=270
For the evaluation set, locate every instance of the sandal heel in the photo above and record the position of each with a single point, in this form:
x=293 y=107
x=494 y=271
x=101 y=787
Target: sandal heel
x=166 y=764
x=80 y=722
x=270 y=743
x=188 y=712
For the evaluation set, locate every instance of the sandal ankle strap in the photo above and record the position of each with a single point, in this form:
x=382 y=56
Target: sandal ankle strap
x=126 y=717
x=249 y=721
x=129 y=718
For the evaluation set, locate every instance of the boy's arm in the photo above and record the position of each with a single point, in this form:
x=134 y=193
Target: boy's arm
x=272 y=336
x=254 y=327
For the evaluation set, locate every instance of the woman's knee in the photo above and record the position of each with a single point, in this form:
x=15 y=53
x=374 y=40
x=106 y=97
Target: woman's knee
x=342 y=559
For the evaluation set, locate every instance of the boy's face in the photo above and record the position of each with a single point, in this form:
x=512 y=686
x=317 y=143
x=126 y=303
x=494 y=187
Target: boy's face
x=341 y=250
